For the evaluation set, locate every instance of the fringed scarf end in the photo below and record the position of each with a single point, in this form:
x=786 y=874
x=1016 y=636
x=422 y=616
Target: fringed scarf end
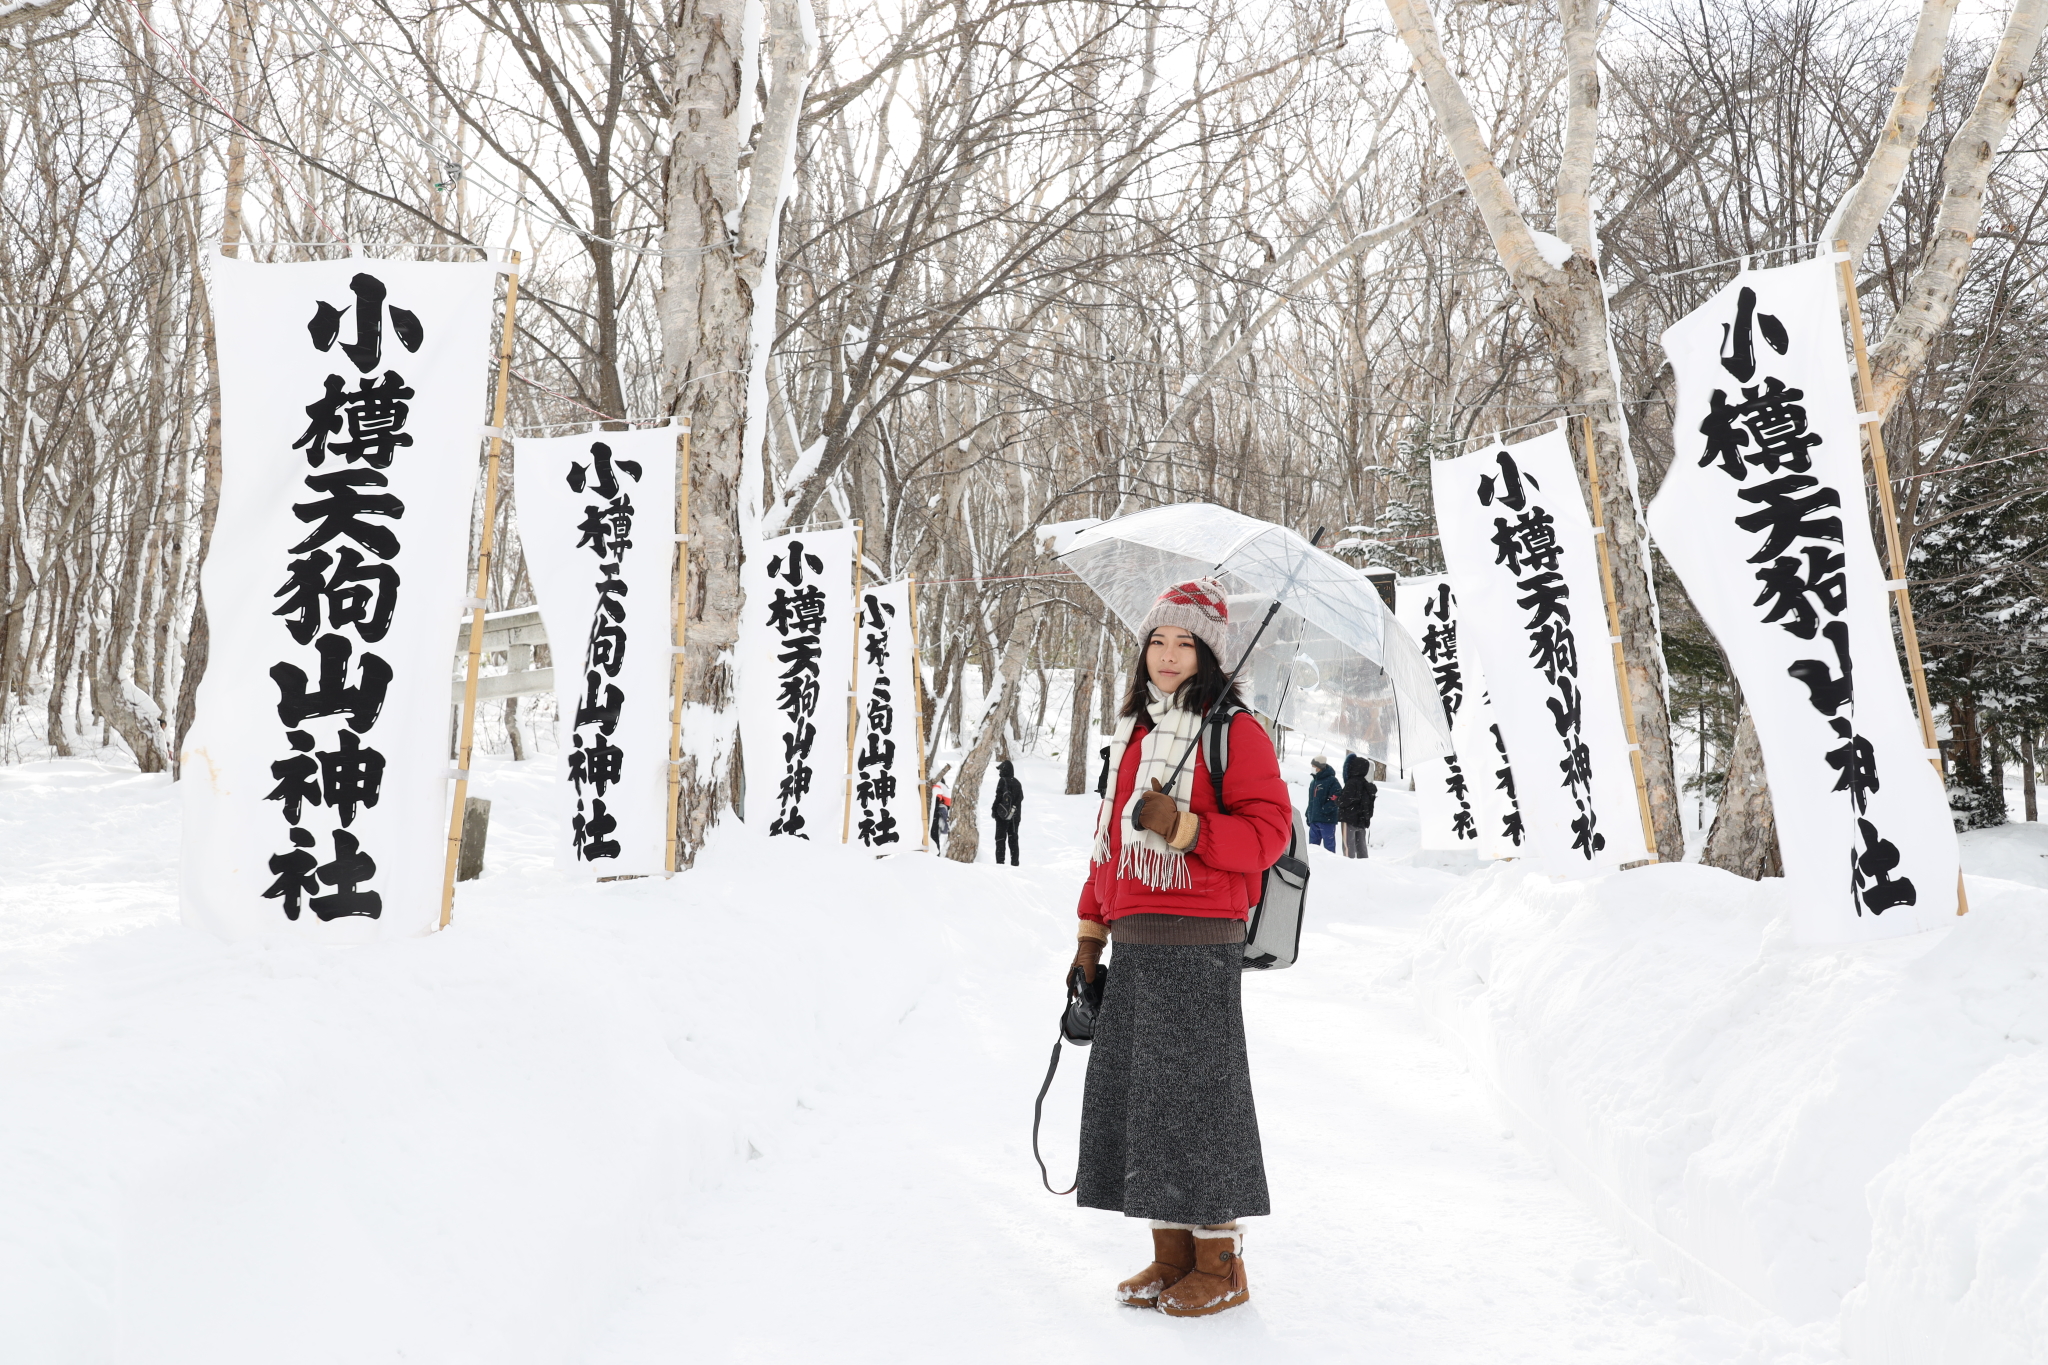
x=1162 y=871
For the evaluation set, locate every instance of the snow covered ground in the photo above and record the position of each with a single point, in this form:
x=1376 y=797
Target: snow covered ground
x=776 y=1109
x=1852 y=1133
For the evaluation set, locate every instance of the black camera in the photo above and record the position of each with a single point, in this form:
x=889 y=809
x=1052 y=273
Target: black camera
x=1084 y=1001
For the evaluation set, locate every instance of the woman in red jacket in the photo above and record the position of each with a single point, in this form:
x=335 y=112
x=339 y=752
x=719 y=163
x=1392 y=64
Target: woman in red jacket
x=1168 y=1130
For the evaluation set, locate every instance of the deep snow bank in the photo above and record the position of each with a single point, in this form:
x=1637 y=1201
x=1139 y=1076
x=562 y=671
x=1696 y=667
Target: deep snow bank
x=1738 y=1107
x=459 y=1148
x=2015 y=852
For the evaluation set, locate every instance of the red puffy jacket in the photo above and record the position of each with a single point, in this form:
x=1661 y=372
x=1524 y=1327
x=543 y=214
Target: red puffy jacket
x=1232 y=852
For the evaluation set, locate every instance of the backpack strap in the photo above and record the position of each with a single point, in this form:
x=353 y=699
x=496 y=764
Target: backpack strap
x=1216 y=748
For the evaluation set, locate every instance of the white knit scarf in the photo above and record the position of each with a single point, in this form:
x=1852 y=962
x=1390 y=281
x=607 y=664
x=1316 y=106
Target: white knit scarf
x=1147 y=857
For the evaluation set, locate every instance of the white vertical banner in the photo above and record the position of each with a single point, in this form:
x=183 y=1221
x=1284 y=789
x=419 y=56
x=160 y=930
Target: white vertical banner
x=597 y=518
x=1425 y=608
x=1763 y=517
x=1466 y=798
x=1519 y=546
x=885 y=817
x=796 y=673
x=1489 y=776
x=316 y=770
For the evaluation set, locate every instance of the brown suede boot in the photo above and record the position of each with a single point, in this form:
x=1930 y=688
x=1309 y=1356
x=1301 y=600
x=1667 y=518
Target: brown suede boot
x=1173 y=1255
x=1218 y=1280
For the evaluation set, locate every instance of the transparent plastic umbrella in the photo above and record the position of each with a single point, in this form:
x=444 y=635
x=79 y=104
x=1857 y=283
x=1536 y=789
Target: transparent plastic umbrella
x=1332 y=663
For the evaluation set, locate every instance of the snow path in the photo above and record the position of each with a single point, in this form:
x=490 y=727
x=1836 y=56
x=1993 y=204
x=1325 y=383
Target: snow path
x=903 y=1218
x=587 y=1127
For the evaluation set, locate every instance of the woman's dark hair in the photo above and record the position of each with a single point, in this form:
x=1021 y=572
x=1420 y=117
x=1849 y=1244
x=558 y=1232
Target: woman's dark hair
x=1209 y=686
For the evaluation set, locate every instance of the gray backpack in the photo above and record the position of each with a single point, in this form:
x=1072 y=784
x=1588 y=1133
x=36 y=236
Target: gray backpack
x=1272 y=937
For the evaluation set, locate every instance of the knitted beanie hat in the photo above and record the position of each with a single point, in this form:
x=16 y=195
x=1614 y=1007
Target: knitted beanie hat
x=1199 y=606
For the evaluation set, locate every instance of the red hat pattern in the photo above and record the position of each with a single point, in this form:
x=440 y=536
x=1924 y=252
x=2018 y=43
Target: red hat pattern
x=1199 y=606
x=1206 y=595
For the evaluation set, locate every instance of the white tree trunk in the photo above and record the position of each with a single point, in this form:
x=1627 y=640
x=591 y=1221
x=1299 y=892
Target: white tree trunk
x=1080 y=734
x=1744 y=837
x=718 y=250
x=1965 y=171
x=1855 y=219
x=1581 y=124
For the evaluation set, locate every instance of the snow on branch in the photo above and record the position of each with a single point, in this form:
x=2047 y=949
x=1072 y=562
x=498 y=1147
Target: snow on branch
x=14 y=12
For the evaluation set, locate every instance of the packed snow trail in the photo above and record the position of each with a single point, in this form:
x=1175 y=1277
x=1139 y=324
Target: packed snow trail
x=776 y=1110
x=902 y=1218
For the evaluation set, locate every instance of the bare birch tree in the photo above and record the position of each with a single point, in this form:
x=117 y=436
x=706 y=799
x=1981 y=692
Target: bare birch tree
x=1569 y=303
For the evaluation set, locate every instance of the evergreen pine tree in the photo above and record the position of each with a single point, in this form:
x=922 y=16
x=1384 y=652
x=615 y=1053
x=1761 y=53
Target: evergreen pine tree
x=1980 y=593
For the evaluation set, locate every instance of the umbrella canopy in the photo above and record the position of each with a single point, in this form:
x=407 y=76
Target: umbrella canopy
x=1333 y=662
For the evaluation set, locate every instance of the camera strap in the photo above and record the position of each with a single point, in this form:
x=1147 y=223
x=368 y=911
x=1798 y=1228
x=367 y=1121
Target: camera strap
x=1037 y=1111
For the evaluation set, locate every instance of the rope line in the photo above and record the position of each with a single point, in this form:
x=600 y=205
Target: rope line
x=565 y=398
x=1957 y=469
x=653 y=424
x=372 y=242
x=1004 y=578
x=1391 y=540
x=1745 y=258
x=1494 y=438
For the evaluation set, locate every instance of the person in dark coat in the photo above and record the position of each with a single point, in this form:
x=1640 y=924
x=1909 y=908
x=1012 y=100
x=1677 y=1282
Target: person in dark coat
x=1321 y=812
x=942 y=809
x=1007 y=810
x=1354 y=805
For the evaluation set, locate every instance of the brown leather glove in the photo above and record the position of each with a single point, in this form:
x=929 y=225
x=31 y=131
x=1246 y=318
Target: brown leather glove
x=1157 y=812
x=1087 y=956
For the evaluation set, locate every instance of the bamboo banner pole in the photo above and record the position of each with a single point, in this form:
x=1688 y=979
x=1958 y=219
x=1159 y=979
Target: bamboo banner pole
x=476 y=604
x=852 y=696
x=678 y=625
x=924 y=794
x=1894 y=547
x=1628 y=715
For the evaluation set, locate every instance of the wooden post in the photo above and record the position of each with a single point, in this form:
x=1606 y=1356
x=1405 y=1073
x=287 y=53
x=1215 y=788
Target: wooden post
x=466 y=745
x=852 y=697
x=924 y=794
x=1628 y=716
x=1894 y=548
x=675 y=672
x=476 y=831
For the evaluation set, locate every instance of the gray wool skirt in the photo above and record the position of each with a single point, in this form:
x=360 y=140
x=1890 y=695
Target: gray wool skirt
x=1168 y=1130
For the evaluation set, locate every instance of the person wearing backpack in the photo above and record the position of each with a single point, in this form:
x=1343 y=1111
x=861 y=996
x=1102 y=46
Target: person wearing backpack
x=1322 y=805
x=1007 y=810
x=1169 y=1132
x=942 y=809
x=1354 y=805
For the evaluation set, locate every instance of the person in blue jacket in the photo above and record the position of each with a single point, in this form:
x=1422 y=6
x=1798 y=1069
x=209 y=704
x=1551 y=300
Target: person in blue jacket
x=1320 y=814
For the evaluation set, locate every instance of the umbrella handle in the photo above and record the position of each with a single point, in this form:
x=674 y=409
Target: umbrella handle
x=1196 y=743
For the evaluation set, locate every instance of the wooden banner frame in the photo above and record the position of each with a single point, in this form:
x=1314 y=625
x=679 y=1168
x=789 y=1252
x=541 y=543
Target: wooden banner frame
x=852 y=695
x=1894 y=547
x=486 y=541
x=924 y=792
